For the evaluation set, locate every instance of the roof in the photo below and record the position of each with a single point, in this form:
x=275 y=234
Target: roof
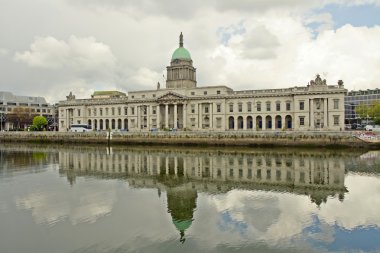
x=10 y=97
x=181 y=53
x=110 y=92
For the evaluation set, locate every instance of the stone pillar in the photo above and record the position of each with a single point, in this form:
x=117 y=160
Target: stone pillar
x=148 y=117
x=138 y=118
x=175 y=125
x=263 y=123
x=236 y=123
x=311 y=118
x=184 y=115
x=166 y=116
x=200 y=116
x=254 y=123
x=283 y=123
x=244 y=123
x=158 y=117
x=211 y=116
x=325 y=113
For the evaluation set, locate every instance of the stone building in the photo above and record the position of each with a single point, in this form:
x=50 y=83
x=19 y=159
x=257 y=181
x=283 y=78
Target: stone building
x=183 y=105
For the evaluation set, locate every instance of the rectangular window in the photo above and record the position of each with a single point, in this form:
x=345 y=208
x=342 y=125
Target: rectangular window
x=258 y=107
x=205 y=93
x=218 y=108
x=278 y=107
x=231 y=107
x=206 y=109
x=154 y=109
x=192 y=93
x=268 y=106
x=89 y=112
x=94 y=111
x=132 y=110
x=192 y=108
x=336 y=103
x=302 y=121
x=113 y=111
x=78 y=112
x=119 y=111
x=302 y=105
x=336 y=120
x=125 y=110
x=107 y=111
x=249 y=107
x=288 y=106
x=240 y=106
x=218 y=92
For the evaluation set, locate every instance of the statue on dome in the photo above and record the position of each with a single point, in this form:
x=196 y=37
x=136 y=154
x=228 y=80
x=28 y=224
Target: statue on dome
x=158 y=85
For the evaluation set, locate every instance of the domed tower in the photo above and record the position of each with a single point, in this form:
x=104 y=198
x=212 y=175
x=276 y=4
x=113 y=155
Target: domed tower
x=181 y=73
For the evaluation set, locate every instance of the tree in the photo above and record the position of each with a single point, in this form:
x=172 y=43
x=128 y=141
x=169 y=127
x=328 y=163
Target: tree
x=369 y=111
x=39 y=122
x=21 y=116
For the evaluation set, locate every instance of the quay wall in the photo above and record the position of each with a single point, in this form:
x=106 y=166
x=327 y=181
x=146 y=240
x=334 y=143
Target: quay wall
x=236 y=138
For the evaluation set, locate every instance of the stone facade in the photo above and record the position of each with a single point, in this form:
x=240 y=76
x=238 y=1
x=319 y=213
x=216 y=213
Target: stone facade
x=184 y=106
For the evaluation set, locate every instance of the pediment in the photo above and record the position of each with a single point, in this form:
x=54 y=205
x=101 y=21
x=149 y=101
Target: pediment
x=171 y=96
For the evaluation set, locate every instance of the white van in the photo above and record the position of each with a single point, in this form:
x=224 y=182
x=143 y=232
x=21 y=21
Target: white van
x=372 y=128
x=80 y=128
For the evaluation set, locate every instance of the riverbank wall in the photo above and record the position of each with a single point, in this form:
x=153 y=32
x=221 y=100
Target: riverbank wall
x=236 y=138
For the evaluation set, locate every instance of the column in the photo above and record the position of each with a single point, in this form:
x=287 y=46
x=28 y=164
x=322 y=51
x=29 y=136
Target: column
x=283 y=123
x=199 y=116
x=211 y=115
x=244 y=123
x=184 y=115
x=235 y=123
x=138 y=118
x=311 y=120
x=158 y=116
x=166 y=116
x=325 y=113
x=263 y=123
x=175 y=117
x=148 y=117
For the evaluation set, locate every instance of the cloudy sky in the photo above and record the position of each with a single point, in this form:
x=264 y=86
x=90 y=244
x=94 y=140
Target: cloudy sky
x=51 y=47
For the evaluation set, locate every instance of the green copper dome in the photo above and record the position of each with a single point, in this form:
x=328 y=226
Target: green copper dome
x=181 y=52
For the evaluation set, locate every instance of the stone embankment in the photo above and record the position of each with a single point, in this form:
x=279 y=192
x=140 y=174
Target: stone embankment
x=235 y=138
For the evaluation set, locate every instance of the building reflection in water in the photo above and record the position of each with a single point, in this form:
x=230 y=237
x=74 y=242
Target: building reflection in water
x=182 y=174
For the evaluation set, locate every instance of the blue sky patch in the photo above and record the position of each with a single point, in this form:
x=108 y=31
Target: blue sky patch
x=363 y=15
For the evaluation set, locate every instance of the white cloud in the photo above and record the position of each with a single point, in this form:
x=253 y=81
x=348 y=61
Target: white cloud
x=127 y=45
x=77 y=54
x=3 y=51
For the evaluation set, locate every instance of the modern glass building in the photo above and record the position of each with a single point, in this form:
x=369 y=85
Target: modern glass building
x=25 y=107
x=354 y=98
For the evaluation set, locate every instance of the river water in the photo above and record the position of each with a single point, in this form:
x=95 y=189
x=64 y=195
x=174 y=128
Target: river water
x=177 y=199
